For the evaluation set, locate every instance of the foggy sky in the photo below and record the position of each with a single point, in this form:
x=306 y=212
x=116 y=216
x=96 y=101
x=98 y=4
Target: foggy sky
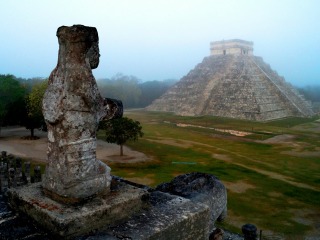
x=162 y=39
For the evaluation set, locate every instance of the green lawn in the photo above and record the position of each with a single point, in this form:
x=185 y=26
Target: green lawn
x=284 y=177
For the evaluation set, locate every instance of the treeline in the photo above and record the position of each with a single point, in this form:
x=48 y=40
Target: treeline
x=312 y=93
x=132 y=92
x=20 y=102
x=21 y=99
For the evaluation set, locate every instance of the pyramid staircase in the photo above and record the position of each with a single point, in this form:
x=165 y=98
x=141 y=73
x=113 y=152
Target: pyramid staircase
x=235 y=86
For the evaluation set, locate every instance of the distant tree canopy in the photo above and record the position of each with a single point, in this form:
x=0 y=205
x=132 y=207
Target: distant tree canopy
x=20 y=101
x=12 y=95
x=120 y=130
x=20 y=98
x=311 y=93
x=152 y=90
x=131 y=92
x=121 y=87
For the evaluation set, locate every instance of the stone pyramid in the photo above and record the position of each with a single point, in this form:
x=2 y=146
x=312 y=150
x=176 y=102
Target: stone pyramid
x=233 y=83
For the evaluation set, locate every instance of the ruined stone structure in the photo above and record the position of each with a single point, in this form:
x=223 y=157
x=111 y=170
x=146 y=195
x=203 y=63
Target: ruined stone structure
x=235 y=85
x=234 y=47
x=185 y=208
x=72 y=108
x=78 y=195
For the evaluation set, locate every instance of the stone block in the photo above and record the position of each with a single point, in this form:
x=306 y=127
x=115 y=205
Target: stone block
x=200 y=188
x=168 y=217
x=73 y=220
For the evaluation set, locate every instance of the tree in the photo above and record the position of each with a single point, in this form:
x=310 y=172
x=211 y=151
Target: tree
x=12 y=93
x=121 y=130
x=132 y=92
x=121 y=87
x=35 y=117
x=311 y=92
x=152 y=90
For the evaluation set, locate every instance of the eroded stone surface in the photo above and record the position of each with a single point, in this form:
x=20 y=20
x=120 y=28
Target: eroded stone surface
x=186 y=214
x=73 y=107
x=73 y=220
x=168 y=217
x=202 y=188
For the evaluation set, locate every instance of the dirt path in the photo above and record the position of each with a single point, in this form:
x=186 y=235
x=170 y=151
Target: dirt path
x=10 y=141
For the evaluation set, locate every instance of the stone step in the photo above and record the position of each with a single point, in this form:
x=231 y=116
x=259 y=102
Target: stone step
x=225 y=85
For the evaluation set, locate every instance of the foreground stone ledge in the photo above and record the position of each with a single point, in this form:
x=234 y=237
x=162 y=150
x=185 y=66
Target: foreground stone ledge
x=74 y=220
x=200 y=188
x=130 y=210
x=168 y=217
x=128 y=213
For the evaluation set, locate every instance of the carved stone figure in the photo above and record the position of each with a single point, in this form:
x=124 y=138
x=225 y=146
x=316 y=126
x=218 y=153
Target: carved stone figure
x=72 y=108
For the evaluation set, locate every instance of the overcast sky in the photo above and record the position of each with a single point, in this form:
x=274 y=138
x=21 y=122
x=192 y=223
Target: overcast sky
x=162 y=39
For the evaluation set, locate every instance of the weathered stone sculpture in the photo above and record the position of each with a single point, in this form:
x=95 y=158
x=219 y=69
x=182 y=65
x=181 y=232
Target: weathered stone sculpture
x=72 y=108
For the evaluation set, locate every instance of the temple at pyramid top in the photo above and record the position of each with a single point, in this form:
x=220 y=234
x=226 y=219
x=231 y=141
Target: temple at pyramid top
x=231 y=47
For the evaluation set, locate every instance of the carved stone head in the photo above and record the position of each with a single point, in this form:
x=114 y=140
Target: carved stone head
x=79 y=44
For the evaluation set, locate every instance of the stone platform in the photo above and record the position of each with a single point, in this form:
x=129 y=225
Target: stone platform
x=186 y=208
x=73 y=220
x=128 y=213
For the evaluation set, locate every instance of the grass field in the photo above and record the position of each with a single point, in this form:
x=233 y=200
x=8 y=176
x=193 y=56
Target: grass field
x=271 y=171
